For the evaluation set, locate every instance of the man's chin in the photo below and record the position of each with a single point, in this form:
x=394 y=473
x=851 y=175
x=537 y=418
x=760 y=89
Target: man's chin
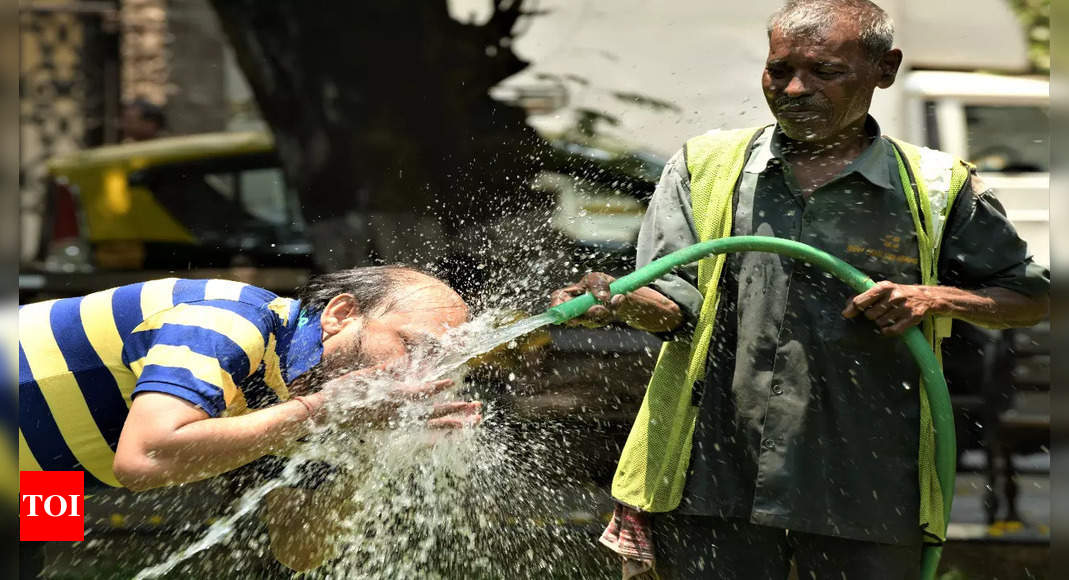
x=810 y=132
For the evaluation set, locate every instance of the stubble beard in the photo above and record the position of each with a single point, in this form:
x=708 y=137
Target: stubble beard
x=331 y=368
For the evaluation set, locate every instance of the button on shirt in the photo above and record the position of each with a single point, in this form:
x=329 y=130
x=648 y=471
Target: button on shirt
x=807 y=420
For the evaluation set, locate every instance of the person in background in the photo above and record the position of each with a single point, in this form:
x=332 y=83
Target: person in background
x=778 y=424
x=142 y=120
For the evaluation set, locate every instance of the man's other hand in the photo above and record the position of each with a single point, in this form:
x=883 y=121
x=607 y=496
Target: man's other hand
x=353 y=411
x=895 y=308
x=597 y=283
x=455 y=415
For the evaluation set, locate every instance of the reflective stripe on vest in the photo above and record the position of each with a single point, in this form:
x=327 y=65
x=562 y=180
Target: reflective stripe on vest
x=651 y=472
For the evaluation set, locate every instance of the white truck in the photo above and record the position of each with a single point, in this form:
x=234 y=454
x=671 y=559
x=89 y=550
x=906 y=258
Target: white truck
x=1002 y=125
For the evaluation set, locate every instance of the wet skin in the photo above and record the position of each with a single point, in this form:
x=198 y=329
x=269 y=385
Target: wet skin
x=421 y=312
x=819 y=88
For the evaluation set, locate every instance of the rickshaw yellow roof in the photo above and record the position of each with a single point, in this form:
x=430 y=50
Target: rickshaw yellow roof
x=166 y=150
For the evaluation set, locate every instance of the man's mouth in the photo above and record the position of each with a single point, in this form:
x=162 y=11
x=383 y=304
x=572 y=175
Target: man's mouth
x=799 y=114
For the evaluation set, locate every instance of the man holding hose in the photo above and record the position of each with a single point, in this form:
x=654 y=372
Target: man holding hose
x=805 y=436
x=172 y=381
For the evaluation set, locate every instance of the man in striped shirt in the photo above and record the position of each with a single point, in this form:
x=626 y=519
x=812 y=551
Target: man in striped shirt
x=172 y=381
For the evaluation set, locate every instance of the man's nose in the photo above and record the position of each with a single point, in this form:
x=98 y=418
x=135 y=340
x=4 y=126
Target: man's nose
x=797 y=87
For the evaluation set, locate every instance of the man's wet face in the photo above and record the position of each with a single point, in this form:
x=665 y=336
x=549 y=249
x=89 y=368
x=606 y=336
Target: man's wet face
x=420 y=313
x=819 y=85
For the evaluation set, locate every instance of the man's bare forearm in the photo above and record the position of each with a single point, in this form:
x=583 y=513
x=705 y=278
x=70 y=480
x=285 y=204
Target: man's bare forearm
x=897 y=307
x=222 y=444
x=989 y=307
x=208 y=447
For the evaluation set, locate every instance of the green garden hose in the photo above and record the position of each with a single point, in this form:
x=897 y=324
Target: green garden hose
x=931 y=372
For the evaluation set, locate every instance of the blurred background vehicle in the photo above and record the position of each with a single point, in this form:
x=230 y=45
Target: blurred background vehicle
x=210 y=205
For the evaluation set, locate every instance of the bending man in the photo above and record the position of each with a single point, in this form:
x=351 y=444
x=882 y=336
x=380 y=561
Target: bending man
x=173 y=381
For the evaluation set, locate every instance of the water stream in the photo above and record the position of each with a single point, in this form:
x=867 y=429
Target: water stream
x=481 y=343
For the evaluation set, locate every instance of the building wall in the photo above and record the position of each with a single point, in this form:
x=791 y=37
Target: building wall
x=173 y=55
x=197 y=103
x=79 y=61
x=145 y=51
x=68 y=93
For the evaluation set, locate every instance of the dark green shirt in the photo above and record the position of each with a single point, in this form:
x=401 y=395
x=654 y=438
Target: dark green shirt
x=809 y=421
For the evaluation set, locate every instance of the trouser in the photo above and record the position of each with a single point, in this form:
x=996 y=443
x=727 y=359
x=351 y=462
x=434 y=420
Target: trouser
x=709 y=548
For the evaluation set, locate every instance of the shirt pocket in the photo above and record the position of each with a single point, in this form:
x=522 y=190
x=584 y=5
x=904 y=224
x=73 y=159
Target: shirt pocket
x=891 y=257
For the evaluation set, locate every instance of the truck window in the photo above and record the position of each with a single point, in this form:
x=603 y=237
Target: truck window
x=263 y=194
x=1008 y=139
x=222 y=184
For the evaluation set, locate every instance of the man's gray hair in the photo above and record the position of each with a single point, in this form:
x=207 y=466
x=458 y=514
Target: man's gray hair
x=373 y=287
x=815 y=17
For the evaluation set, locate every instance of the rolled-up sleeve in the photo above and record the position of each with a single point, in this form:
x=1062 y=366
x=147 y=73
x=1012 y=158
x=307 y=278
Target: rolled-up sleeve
x=669 y=226
x=981 y=248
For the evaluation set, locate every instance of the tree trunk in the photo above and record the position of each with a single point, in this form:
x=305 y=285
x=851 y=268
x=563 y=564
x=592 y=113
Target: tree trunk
x=382 y=108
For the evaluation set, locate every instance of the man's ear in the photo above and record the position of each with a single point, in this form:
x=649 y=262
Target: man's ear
x=341 y=309
x=889 y=68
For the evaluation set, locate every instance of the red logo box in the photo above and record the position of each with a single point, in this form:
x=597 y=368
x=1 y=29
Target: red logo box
x=51 y=506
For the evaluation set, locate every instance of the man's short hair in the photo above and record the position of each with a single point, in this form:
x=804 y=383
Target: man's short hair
x=373 y=287
x=815 y=17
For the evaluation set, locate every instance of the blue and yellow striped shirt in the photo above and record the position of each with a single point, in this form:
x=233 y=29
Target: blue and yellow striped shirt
x=224 y=346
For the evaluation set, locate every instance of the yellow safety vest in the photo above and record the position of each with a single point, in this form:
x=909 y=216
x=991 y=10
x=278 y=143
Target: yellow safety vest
x=652 y=469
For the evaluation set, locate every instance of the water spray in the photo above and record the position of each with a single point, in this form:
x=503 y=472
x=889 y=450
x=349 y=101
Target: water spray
x=931 y=371
x=436 y=509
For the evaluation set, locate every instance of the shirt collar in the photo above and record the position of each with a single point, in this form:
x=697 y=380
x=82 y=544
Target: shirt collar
x=300 y=343
x=873 y=163
x=763 y=155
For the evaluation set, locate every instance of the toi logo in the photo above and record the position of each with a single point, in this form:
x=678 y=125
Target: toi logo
x=51 y=506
